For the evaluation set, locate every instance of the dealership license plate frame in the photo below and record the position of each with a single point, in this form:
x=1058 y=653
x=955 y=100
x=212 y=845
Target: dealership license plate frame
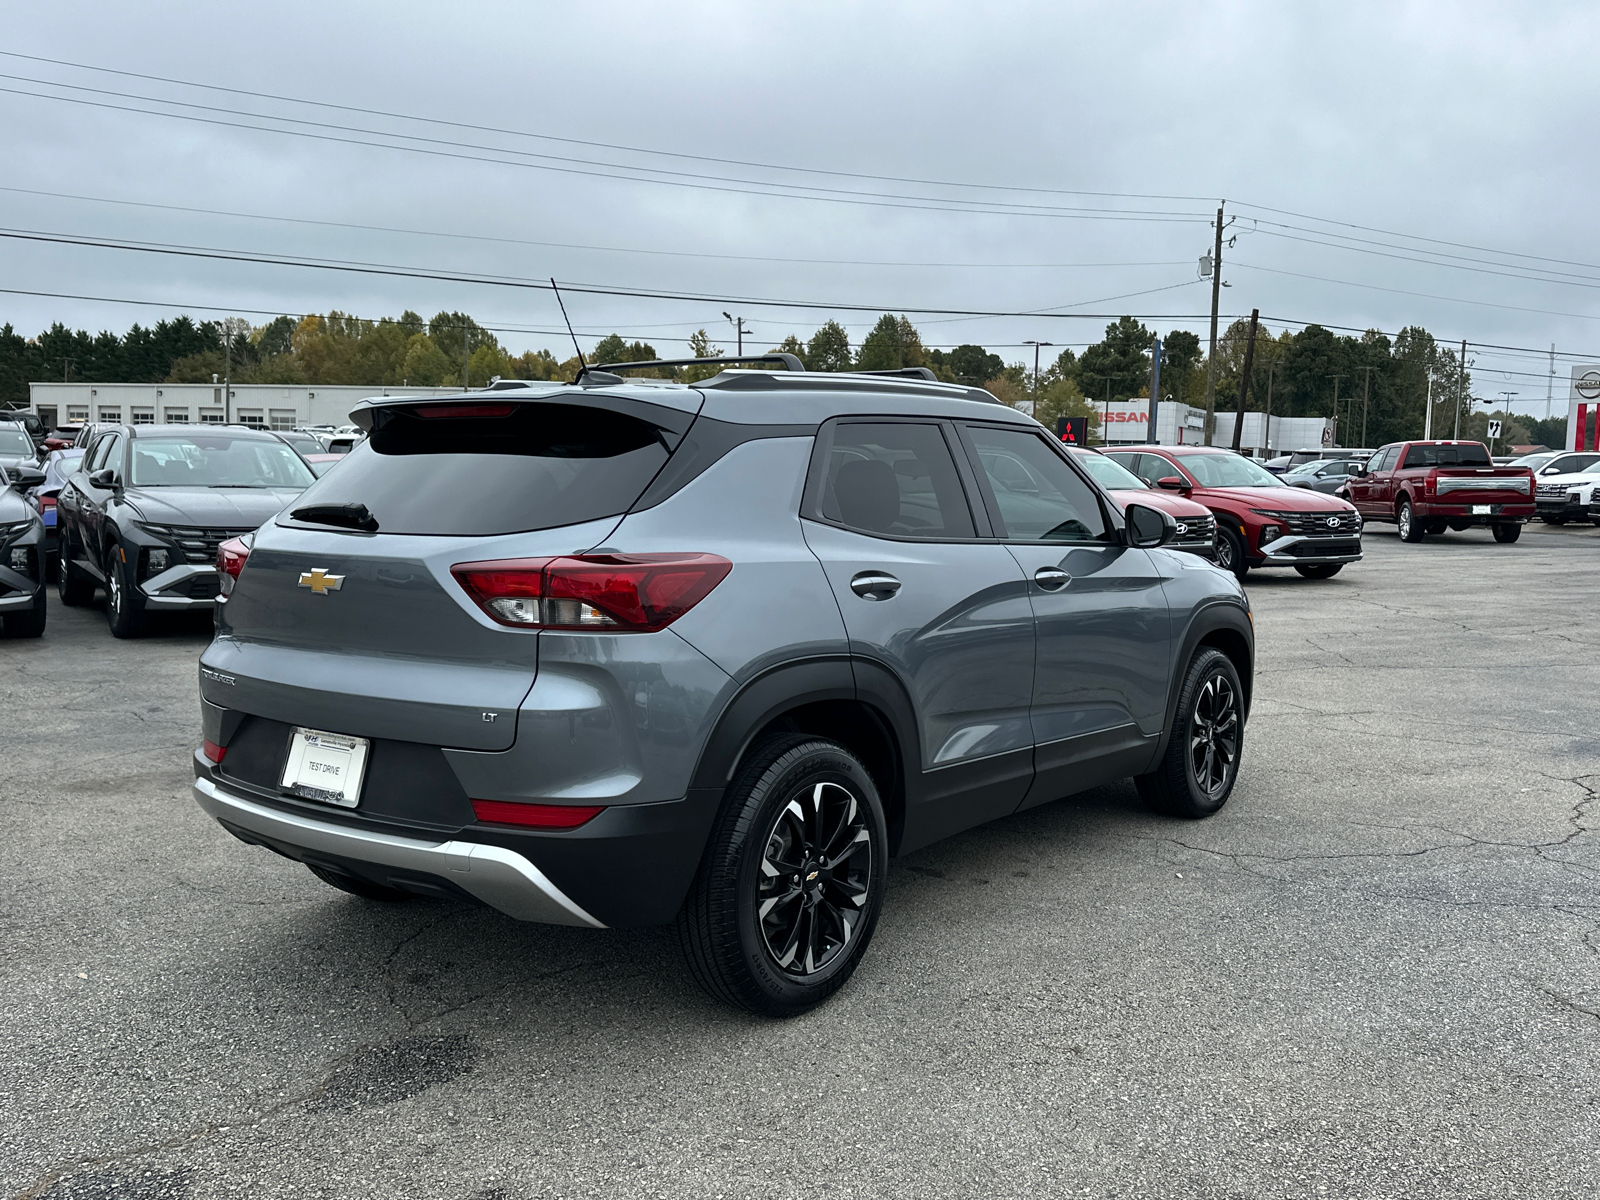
x=1482 y=510
x=317 y=757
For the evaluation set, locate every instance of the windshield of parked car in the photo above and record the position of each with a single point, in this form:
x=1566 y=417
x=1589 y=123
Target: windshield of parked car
x=1107 y=473
x=1228 y=470
x=14 y=441
x=217 y=460
x=1533 y=460
x=1470 y=454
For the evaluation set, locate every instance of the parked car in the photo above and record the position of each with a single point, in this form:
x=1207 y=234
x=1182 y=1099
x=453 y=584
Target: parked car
x=628 y=652
x=305 y=444
x=58 y=465
x=1322 y=475
x=22 y=601
x=1428 y=487
x=31 y=425
x=17 y=449
x=1261 y=521
x=1197 y=528
x=320 y=464
x=143 y=513
x=1299 y=458
x=1566 y=497
x=343 y=443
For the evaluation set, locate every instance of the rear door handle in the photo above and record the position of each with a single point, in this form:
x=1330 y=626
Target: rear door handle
x=1051 y=579
x=874 y=585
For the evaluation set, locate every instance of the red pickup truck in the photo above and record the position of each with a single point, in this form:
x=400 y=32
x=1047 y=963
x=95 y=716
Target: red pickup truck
x=1428 y=487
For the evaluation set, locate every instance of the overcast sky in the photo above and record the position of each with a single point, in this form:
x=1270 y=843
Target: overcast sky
x=1469 y=124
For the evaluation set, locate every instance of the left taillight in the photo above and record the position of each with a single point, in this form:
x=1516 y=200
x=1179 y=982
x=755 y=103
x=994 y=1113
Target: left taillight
x=213 y=751
x=231 y=556
x=620 y=593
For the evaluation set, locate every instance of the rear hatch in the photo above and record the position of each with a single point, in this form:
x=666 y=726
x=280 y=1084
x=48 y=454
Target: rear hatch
x=345 y=616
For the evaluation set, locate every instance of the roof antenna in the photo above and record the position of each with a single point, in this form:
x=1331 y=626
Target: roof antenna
x=583 y=367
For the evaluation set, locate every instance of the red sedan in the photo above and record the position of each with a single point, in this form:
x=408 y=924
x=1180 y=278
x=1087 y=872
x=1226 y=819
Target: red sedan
x=1260 y=522
x=1197 y=528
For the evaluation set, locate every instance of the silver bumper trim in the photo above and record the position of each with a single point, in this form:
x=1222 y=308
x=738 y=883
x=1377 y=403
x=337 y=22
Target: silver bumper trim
x=502 y=879
x=20 y=601
x=155 y=587
x=1273 y=553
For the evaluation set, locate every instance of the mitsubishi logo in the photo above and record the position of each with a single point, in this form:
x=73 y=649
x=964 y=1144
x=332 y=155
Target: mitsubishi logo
x=320 y=582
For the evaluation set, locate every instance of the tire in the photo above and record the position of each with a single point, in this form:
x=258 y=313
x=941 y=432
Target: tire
x=1209 y=723
x=1554 y=519
x=124 y=604
x=1507 y=533
x=358 y=887
x=1230 y=553
x=29 y=624
x=73 y=588
x=1320 y=570
x=1410 y=528
x=756 y=935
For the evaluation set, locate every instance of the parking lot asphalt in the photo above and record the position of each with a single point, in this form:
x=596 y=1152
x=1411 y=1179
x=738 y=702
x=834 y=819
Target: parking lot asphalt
x=1375 y=974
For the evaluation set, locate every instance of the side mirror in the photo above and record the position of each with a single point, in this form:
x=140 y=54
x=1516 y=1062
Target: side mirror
x=1174 y=483
x=27 y=477
x=103 y=478
x=1359 y=472
x=1149 y=527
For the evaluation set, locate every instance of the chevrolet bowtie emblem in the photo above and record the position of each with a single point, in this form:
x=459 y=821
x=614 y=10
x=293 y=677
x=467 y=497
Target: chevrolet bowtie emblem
x=320 y=582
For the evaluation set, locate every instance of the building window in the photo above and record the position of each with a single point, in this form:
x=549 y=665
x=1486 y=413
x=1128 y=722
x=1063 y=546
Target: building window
x=110 y=414
x=177 y=416
x=282 y=418
x=143 y=416
x=47 y=415
x=251 y=417
x=77 y=413
x=211 y=416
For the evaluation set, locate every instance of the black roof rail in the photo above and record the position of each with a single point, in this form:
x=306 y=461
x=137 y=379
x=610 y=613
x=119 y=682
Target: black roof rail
x=788 y=360
x=905 y=373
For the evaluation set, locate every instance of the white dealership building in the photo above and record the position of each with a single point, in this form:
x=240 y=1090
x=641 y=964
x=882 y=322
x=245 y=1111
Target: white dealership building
x=266 y=405
x=1127 y=422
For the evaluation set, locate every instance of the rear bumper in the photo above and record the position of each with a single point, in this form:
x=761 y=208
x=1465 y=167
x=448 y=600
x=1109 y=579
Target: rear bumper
x=1498 y=514
x=501 y=878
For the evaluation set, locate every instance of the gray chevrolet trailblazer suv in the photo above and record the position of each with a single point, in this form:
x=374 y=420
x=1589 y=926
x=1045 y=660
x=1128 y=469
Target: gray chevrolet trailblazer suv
x=627 y=651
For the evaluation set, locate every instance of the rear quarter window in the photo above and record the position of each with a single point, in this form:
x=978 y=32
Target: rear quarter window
x=503 y=468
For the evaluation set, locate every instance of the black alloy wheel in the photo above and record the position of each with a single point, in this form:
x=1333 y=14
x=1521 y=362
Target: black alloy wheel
x=1320 y=570
x=1507 y=533
x=789 y=888
x=1410 y=527
x=1196 y=774
x=72 y=587
x=1230 y=553
x=124 y=603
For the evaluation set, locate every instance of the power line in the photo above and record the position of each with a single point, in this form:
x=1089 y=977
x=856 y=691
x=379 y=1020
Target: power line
x=593 y=144
x=1373 y=287
x=755 y=188
x=476 y=237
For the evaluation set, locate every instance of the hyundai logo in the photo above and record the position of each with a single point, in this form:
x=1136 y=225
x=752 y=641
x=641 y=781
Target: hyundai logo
x=1182 y=529
x=1333 y=522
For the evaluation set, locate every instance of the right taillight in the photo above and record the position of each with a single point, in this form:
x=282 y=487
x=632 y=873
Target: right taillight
x=619 y=593
x=231 y=556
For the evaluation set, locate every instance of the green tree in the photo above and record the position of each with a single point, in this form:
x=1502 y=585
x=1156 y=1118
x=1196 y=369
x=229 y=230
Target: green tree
x=425 y=365
x=893 y=343
x=829 y=349
x=1061 y=398
x=792 y=345
x=275 y=337
x=196 y=368
x=700 y=347
x=449 y=329
x=973 y=364
x=1122 y=358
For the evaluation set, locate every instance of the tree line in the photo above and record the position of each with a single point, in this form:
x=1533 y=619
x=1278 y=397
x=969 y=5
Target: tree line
x=1377 y=387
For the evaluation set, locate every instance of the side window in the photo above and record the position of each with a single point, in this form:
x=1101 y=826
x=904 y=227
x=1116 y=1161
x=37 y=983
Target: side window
x=1038 y=497
x=106 y=453
x=1129 y=462
x=895 y=479
x=91 y=458
x=1153 y=468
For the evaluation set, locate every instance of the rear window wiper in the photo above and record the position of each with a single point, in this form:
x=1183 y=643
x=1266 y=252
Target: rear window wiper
x=346 y=516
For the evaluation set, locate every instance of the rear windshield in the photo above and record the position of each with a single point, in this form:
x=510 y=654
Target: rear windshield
x=1470 y=455
x=516 y=467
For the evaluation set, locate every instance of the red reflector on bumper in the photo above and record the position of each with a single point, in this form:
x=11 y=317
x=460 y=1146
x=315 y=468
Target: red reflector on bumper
x=213 y=751
x=536 y=816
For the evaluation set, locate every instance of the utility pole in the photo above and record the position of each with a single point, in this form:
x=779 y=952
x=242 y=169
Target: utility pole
x=1427 y=411
x=227 y=374
x=1036 y=345
x=1272 y=367
x=1336 y=379
x=1155 y=395
x=466 y=356
x=1461 y=387
x=1366 y=389
x=1550 y=384
x=739 y=329
x=1244 y=384
x=1211 y=360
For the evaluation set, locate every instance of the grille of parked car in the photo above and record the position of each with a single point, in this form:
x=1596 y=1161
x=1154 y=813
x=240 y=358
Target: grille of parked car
x=1197 y=531
x=1552 y=489
x=199 y=545
x=1317 y=524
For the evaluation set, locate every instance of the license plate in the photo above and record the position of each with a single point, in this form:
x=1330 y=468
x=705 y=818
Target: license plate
x=1481 y=510
x=326 y=767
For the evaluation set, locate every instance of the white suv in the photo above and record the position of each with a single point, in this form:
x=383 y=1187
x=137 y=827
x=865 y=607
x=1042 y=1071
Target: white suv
x=1569 y=496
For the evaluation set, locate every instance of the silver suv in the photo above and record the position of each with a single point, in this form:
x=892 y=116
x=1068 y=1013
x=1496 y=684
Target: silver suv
x=628 y=651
